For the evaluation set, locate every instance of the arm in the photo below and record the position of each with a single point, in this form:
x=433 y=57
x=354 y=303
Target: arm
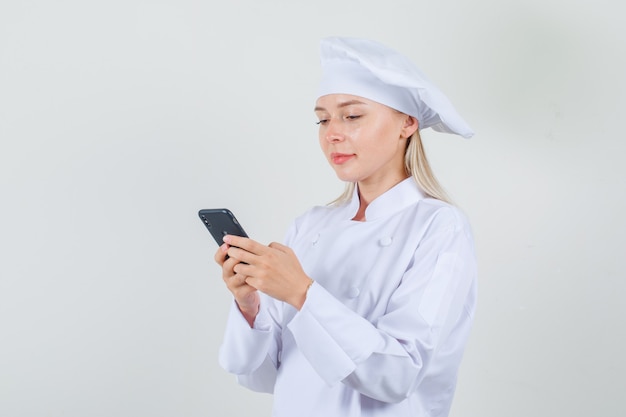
x=251 y=353
x=386 y=360
x=251 y=340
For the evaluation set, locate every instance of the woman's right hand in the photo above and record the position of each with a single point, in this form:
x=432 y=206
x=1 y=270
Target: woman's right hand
x=247 y=297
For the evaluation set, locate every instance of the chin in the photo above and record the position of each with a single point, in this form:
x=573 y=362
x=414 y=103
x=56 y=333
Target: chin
x=347 y=178
x=347 y=175
x=343 y=176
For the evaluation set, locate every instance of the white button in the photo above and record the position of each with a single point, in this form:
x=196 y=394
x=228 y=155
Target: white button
x=315 y=238
x=353 y=292
x=386 y=241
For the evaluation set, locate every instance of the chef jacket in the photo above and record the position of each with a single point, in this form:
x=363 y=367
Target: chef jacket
x=384 y=325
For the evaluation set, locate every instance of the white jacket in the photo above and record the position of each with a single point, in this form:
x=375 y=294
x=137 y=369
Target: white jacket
x=383 y=327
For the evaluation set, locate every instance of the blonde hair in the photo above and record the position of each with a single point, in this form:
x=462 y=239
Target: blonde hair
x=417 y=166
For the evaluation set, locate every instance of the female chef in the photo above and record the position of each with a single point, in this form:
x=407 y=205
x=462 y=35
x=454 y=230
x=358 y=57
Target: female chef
x=366 y=308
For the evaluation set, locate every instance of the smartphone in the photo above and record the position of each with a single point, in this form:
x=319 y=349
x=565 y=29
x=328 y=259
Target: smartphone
x=221 y=222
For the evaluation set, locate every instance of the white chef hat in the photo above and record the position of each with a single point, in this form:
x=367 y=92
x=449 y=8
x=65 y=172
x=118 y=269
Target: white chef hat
x=365 y=68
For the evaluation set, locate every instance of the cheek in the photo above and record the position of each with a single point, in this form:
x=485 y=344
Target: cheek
x=384 y=146
x=323 y=142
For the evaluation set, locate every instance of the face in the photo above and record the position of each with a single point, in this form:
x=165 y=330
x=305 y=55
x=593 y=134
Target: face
x=364 y=141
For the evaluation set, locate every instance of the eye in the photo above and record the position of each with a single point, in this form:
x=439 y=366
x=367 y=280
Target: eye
x=353 y=116
x=322 y=122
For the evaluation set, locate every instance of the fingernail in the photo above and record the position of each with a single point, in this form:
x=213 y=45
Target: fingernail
x=226 y=239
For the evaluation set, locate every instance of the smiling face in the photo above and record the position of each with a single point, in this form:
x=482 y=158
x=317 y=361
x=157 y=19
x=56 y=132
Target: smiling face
x=364 y=141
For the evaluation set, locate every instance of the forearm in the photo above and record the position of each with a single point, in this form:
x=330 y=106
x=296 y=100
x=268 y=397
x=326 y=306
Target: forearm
x=245 y=348
x=343 y=346
x=385 y=361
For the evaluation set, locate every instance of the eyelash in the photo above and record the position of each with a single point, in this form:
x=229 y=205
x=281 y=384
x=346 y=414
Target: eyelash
x=350 y=117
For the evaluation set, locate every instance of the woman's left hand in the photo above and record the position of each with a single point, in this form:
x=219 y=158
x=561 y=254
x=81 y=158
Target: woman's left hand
x=273 y=269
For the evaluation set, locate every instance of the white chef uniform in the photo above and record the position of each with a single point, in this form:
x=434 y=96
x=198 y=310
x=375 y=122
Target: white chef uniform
x=383 y=327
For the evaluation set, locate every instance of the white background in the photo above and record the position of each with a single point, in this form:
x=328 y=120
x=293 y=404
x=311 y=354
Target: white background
x=120 y=119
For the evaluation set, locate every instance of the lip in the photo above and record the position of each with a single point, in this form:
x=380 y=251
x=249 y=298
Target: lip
x=341 y=158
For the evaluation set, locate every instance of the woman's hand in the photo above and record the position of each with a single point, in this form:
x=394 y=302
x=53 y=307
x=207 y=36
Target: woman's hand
x=246 y=296
x=273 y=270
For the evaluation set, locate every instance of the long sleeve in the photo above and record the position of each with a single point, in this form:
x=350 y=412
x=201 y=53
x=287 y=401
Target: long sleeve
x=252 y=353
x=429 y=311
x=383 y=327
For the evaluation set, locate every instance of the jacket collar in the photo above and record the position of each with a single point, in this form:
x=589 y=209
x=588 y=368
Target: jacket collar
x=398 y=197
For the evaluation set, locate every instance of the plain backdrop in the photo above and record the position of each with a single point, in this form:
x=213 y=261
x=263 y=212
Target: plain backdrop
x=120 y=119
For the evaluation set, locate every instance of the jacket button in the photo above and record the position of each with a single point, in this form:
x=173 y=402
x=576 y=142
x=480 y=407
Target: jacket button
x=353 y=292
x=386 y=241
x=315 y=239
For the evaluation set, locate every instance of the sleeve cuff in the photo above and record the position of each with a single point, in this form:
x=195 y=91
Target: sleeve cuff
x=244 y=349
x=333 y=338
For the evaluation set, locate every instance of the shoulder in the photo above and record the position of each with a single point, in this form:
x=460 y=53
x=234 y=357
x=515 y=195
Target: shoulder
x=318 y=214
x=311 y=220
x=443 y=230
x=439 y=216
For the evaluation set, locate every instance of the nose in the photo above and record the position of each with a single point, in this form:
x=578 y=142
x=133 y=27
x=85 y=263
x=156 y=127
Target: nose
x=333 y=131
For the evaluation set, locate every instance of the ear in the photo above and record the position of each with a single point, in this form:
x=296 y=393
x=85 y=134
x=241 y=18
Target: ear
x=410 y=126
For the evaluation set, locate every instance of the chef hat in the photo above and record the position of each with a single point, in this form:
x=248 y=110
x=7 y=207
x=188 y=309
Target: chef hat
x=368 y=69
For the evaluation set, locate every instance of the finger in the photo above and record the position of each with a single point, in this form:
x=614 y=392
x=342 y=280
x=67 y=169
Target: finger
x=243 y=269
x=229 y=265
x=220 y=255
x=238 y=279
x=242 y=255
x=252 y=282
x=245 y=244
x=234 y=282
x=279 y=246
x=228 y=269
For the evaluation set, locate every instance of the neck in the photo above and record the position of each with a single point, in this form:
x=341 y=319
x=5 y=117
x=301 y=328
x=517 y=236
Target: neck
x=369 y=191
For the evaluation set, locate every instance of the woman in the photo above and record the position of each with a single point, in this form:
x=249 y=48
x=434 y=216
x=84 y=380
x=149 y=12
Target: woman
x=366 y=309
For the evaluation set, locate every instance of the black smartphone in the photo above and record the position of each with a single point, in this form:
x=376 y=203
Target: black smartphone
x=221 y=222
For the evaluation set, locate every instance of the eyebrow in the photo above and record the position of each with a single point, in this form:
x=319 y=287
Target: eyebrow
x=342 y=104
